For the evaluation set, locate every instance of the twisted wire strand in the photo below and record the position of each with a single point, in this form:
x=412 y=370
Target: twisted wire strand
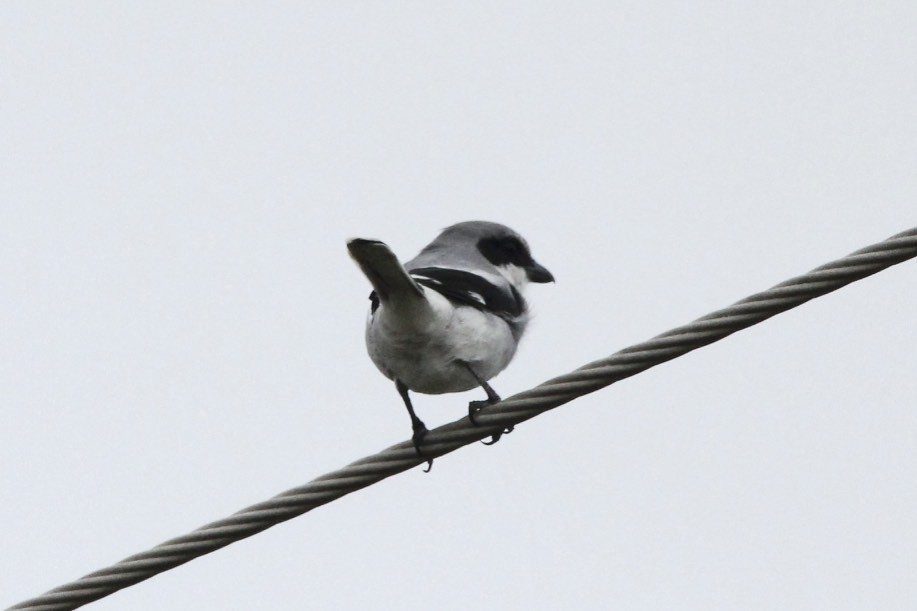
x=512 y=411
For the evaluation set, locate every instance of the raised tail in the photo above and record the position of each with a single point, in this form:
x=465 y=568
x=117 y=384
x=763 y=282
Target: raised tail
x=380 y=265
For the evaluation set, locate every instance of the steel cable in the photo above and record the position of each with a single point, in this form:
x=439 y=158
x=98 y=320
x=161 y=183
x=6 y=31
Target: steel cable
x=509 y=412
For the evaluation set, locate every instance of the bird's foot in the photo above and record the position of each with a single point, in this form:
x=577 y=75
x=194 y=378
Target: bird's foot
x=474 y=407
x=420 y=431
x=496 y=436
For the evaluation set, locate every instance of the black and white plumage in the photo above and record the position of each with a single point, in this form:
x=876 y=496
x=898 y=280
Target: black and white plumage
x=449 y=319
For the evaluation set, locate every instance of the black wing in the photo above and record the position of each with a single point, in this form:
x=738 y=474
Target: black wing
x=470 y=289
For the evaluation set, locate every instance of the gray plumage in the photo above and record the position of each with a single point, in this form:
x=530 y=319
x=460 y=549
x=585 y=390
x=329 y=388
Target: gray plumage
x=450 y=318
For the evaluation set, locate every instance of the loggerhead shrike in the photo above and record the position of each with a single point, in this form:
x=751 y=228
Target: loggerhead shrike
x=451 y=318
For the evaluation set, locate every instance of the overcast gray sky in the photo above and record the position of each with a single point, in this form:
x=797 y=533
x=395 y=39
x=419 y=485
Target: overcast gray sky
x=181 y=329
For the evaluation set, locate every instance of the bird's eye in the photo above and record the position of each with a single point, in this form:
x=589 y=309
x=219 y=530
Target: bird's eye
x=512 y=246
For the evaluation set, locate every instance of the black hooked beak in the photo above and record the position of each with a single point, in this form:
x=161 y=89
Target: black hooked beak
x=536 y=272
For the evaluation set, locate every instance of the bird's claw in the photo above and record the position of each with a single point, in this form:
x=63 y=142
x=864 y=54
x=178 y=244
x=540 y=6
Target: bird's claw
x=473 y=408
x=419 y=433
x=496 y=436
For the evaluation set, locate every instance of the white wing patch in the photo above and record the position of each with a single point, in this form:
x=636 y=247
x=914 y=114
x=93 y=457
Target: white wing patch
x=477 y=297
x=427 y=278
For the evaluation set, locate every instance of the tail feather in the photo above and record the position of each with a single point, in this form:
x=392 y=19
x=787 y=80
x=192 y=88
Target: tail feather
x=380 y=265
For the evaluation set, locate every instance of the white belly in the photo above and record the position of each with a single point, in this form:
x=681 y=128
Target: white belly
x=425 y=349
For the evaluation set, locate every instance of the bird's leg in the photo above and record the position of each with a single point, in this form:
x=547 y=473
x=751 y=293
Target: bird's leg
x=475 y=406
x=420 y=429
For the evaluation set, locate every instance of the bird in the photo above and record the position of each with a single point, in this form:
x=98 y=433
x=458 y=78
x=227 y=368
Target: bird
x=451 y=318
